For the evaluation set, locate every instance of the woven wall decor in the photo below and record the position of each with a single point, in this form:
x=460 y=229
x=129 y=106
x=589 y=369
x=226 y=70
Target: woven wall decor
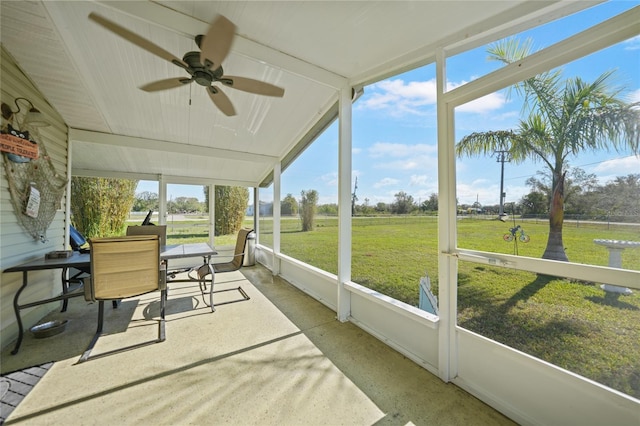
x=34 y=185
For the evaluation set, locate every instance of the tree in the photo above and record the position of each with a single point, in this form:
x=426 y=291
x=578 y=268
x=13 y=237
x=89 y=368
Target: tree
x=564 y=118
x=382 y=207
x=365 y=208
x=100 y=206
x=328 y=209
x=230 y=207
x=145 y=201
x=404 y=203
x=619 y=197
x=431 y=204
x=534 y=202
x=577 y=185
x=308 y=206
x=185 y=205
x=289 y=205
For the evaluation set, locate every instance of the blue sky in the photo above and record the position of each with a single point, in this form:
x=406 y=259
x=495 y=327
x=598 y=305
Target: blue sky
x=394 y=128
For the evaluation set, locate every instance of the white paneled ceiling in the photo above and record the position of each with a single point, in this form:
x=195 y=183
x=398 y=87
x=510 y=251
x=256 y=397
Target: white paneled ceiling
x=310 y=48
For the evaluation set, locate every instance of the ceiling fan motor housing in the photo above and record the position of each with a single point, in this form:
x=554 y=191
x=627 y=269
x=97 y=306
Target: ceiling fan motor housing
x=201 y=74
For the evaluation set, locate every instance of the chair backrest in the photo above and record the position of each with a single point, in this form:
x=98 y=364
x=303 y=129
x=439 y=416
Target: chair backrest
x=76 y=239
x=159 y=230
x=124 y=267
x=241 y=242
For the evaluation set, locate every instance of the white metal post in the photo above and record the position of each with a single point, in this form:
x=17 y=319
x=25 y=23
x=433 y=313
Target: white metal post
x=256 y=213
x=447 y=211
x=162 y=200
x=276 y=217
x=344 y=203
x=212 y=214
x=67 y=204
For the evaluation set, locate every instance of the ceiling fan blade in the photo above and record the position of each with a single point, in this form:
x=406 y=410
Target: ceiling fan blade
x=221 y=101
x=252 y=86
x=137 y=40
x=217 y=42
x=165 y=84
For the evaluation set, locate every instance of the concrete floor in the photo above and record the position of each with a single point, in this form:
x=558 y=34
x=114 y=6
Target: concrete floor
x=280 y=358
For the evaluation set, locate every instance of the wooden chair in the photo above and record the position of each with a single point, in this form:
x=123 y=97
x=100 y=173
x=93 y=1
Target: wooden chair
x=123 y=267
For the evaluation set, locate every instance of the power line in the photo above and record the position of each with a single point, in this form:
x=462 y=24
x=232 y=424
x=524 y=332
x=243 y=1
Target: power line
x=581 y=165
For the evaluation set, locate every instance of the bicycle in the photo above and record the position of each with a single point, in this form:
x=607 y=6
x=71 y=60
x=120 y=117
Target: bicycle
x=512 y=234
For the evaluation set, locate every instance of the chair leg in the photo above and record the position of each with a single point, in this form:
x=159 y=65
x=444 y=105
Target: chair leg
x=65 y=288
x=213 y=276
x=161 y=331
x=94 y=340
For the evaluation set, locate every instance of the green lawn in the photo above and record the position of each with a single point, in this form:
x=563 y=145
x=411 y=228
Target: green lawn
x=574 y=325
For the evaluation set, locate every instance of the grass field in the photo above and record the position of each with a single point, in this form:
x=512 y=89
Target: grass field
x=574 y=325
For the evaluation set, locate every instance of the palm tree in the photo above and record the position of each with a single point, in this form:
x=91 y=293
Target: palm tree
x=564 y=118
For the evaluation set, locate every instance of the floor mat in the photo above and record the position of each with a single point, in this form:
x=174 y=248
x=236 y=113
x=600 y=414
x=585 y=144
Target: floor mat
x=16 y=385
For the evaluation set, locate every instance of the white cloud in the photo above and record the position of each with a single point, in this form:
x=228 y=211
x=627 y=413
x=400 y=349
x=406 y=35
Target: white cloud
x=416 y=163
x=419 y=180
x=386 y=149
x=385 y=182
x=610 y=169
x=330 y=179
x=634 y=96
x=400 y=97
x=632 y=44
x=403 y=156
x=491 y=102
x=485 y=104
x=488 y=194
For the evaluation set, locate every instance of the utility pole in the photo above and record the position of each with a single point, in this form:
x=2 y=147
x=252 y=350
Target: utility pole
x=503 y=157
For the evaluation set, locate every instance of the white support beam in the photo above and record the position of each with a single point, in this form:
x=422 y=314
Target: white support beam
x=113 y=174
x=163 y=16
x=447 y=210
x=615 y=30
x=166 y=146
x=520 y=18
x=277 y=174
x=256 y=213
x=67 y=202
x=182 y=180
x=162 y=200
x=212 y=215
x=344 y=202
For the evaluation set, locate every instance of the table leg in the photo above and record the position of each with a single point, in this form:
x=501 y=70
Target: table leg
x=65 y=289
x=16 y=308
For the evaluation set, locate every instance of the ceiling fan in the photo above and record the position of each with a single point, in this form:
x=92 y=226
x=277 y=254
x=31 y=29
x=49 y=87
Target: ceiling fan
x=204 y=67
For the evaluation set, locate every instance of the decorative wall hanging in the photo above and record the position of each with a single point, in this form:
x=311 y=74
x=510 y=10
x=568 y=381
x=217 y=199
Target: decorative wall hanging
x=34 y=185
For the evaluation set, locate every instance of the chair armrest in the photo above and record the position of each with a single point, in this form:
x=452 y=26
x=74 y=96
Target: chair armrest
x=88 y=290
x=201 y=272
